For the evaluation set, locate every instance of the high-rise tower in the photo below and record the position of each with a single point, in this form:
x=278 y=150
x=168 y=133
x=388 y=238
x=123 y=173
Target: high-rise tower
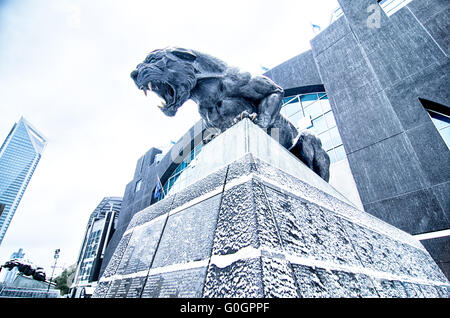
x=19 y=156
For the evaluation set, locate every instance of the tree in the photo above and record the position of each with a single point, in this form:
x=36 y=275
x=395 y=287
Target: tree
x=64 y=280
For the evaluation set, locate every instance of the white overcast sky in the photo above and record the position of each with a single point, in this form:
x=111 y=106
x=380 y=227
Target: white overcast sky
x=65 y=65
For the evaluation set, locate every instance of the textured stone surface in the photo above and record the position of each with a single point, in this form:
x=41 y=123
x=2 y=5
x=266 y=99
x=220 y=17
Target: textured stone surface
x=240 y=279
x=237 y=224
x=278 y=278
x=141 y=248
x=188 y=234
x=178 y=284
x=117 y=256
x=253 y=230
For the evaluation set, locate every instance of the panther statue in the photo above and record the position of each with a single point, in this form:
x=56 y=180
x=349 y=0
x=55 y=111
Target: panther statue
x=225 y=94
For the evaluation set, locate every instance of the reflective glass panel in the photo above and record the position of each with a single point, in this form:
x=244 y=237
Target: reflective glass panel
x=340 y=153
x=294 y=119
x=445 y=133
x=439 y=121
x=336 y=138
x=292 y=108
x=325 y=103
x=332 y=155
x=326 y=141
x=308 y=99
x=329 y=117
x=313 y=110
x=319 y=125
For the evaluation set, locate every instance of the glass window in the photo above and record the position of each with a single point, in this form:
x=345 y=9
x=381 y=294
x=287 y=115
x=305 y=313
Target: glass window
x=442 y=124
x=439 y=120
x=308 y=99
x=313 y=110
x=319 y=125
x=290 y=99
x=138 y=185
x=329 y=117
x=326 y=141
x=336 y=138
x=392 y=6
x=178 y=171
x=340 y=152
x=322 y=96
x=292 y=108
x=295 y=119
x=445 y=133
x=325 y=103
x=332 y=155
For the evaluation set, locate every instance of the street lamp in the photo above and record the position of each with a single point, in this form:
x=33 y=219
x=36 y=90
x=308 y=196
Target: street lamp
x=56 y=256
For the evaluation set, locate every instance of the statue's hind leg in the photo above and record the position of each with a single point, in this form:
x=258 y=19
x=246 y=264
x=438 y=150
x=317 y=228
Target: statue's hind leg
x=309 y=150
x=268 y=109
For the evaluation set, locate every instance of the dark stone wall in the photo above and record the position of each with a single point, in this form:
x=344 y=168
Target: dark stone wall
x=374 y=78
x=299 y=71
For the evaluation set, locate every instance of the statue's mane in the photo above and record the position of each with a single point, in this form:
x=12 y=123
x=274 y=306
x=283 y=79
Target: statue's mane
x=207 y=64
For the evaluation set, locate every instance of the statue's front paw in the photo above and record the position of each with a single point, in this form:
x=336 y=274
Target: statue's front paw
x=263 y=121
x=245 y=114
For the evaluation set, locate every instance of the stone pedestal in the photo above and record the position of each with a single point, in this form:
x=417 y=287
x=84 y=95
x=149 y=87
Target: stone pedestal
x=255 y=222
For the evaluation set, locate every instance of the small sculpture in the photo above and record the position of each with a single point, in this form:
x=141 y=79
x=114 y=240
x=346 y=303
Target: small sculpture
x=224 y=95
x=26 y=269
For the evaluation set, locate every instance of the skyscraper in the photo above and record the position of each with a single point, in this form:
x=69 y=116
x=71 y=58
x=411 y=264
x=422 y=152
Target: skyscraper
x=100 y=228
x=11 y=273
x=19 y=156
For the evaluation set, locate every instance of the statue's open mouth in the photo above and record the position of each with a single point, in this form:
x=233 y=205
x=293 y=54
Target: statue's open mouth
x=163 y=90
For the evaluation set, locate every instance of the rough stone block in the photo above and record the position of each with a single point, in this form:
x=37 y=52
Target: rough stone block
x=188 y=234
x=239 y=279
x=177 y=284
x=141 y=247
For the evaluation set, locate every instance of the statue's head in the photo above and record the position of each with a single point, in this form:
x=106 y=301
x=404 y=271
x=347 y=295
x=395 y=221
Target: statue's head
x=170 y=74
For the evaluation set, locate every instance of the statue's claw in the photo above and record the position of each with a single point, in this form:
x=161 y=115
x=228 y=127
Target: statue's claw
x=245 y=114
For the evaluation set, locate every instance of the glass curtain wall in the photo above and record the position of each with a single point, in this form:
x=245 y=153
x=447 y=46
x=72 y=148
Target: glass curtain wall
x=313 y=112
x=177 y=173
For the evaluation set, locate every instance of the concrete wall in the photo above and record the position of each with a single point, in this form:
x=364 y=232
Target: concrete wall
x=374 y=77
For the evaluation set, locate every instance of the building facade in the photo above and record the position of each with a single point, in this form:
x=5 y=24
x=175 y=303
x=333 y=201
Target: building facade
x=19 y=156
x=100 y=228
x=374 y=88
x=385 y=70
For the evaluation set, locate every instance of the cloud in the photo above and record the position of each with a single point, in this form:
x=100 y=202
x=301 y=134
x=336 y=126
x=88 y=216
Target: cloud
x=65 y=65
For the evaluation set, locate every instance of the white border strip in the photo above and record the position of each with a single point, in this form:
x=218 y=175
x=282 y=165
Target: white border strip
x=178 y=267
x=250 y=252
x=158 y=270
x=432 y=235
x=198 y=199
